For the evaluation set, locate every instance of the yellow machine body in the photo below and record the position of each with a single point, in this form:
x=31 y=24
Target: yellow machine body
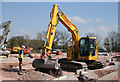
x=15 y=49
x=73 y=52
x=71 y=55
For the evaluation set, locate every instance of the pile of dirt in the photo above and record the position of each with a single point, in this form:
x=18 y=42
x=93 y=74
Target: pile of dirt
x=104 y=72
x=35 y=75
x=9 y=75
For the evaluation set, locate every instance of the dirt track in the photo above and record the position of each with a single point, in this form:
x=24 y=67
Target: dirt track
x=31 y=74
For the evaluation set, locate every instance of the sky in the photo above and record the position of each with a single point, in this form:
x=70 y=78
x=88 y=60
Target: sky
x=60 y=0
x=29 y=18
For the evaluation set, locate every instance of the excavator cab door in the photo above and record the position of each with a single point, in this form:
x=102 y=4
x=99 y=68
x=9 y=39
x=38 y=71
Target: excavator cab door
x=84 y=47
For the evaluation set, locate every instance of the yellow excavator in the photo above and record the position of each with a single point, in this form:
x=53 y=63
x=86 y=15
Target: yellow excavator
x=82 y=54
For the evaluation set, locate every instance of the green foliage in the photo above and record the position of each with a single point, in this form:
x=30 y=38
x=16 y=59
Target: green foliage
x=63 y=40
x=21 y=40
x=36 y=44
x=16 y=41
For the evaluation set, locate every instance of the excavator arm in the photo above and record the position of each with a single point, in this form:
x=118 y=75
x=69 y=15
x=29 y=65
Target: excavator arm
x=57 y=14
x=4 y=37
x=51 y=30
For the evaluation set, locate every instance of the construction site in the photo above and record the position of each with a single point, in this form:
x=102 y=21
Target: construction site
x=50 y=58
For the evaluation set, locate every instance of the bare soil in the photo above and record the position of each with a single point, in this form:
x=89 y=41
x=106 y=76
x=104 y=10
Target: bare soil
x=35 y=75
x=31 y=74
x=104 y=72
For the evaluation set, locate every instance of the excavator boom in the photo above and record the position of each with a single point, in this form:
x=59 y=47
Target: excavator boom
x=4 y=38
x=51 y=30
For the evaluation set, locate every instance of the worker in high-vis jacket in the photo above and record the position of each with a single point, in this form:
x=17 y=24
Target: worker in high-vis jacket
x=20 y=58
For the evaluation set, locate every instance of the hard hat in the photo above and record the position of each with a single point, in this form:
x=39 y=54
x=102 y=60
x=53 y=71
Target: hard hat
x=23 y=46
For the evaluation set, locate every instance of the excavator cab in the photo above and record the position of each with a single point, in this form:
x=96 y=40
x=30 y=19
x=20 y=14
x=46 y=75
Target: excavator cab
x=88 y=48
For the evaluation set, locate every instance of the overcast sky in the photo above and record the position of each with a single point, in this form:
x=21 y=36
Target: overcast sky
x=33 y=17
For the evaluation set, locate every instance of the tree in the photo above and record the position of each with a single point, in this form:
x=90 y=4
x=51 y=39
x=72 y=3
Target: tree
x=16 y=41
x=99 y=38
x=107 y=43
x=36 y=44
x=41 y=35
x=57 y=39
x=27 y=39
x=0 y=36
x=118 y=46
x=65 y=39
x=40 y=39
x=111 y=42
x=61 y=38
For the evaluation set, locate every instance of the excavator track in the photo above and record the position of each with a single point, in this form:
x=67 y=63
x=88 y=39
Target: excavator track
x=75 y=65
x=71 y=65
x=94 y=65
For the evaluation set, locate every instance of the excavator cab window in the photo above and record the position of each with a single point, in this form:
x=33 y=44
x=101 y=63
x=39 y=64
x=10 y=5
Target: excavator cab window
x=84 y=46
x=92 y=46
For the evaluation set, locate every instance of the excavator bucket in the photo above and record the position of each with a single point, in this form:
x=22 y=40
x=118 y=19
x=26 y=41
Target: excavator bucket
x=48 y=65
